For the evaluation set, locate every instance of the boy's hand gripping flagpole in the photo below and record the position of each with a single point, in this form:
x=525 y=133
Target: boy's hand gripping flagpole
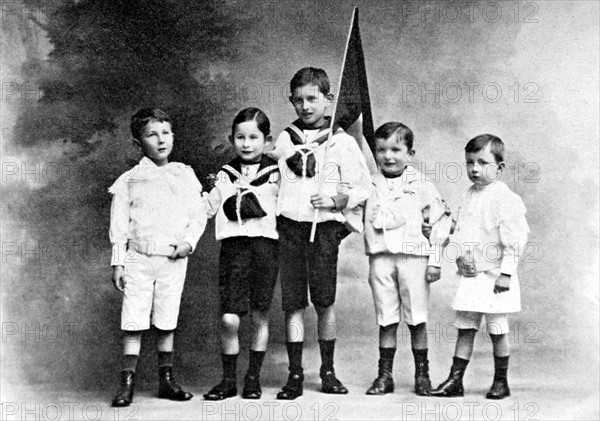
x=313 y=229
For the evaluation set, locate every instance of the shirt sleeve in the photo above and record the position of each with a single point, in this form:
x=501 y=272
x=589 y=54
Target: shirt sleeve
x=284 y=148
x=514 y=231
x=441 y=223
x=197 y=212
x=213 y=202
x=354 y=171
x=119 y=223
x=214 y=197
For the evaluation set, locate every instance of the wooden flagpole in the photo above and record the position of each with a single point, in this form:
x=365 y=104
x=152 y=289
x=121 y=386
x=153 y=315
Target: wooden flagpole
x=313 y=229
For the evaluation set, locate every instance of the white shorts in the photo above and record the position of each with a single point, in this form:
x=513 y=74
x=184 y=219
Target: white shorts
x=496 y=323
x=153 y=287
x=398 y=281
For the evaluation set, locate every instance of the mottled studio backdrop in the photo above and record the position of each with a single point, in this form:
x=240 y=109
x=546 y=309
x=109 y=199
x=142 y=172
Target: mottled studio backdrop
x=74 y=71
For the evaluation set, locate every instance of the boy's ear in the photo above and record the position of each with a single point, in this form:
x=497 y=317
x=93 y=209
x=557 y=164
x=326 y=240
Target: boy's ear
x=412 y=152
x=230 y=137
x=268 y=140
x=291 y=98
x=501 y=165
x=136 y=142
x=329 y=97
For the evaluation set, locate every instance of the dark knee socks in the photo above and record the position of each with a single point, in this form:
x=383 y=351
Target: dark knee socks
x=129 y=362
x=165 y=359
x=255 y=362
x=327 y=349
x=294 y=350
x=229 y=366
x=500 y=367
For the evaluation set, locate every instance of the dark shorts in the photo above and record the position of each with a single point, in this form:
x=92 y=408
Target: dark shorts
x=248 y=269
x=305 y=265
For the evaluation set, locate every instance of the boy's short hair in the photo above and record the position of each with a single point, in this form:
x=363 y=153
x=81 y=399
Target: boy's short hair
x=253 y=114
x=310 y=76
x=144 y=116
x=402 y=132
x=479 y=142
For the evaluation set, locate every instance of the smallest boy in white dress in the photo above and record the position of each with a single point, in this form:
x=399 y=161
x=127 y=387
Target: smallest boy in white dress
x=491 y=233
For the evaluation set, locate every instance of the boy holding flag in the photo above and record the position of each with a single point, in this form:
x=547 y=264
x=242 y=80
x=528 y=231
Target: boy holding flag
x=323 y=176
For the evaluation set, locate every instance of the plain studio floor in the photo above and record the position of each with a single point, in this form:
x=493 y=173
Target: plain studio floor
x=548 y=379
x=536 y=395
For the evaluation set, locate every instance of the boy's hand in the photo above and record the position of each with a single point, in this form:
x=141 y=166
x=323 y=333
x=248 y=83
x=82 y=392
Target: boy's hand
x=343 y=187
x=426 y=229
x=118 y=278
x=182 y=249
x=426 y=226
x=466 y=268
x=502 y=284
x=209 y=183
x=432 y=274
x=322 y=201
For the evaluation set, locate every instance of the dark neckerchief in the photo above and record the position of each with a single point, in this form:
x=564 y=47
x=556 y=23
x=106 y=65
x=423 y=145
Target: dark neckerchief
x=300 y=127
x=295 y=130
x=266 y=167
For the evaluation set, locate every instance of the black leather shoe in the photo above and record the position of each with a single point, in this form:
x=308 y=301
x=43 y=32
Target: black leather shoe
x=168 y=388
x=125 y=394
x=330 y=384
x=499 y=389
x=422 y=381
x=384 y=383
x=252 y=388
x=226 y=389
x=381 y=385
x=451 y=388
x=293 y=387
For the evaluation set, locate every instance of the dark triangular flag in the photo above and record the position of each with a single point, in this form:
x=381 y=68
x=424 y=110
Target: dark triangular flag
x=353 y=109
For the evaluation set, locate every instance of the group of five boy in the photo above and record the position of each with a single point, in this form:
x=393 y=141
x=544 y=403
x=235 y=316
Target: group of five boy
x=265 y=204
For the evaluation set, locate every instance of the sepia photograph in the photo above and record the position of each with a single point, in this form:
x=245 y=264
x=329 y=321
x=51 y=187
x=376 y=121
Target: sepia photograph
x=300 y=210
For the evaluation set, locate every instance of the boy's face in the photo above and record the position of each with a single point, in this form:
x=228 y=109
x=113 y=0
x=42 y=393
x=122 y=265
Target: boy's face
x=310 y=104
x=249 y=142
x=392 y=155
x=157 y=141
x=482 y=167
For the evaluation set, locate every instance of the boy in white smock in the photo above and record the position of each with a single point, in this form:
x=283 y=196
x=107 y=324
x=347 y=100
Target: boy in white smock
x=491 y=233
x=157 y=217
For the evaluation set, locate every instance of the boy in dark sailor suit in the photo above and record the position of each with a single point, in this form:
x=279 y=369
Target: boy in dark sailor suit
x=333 y=180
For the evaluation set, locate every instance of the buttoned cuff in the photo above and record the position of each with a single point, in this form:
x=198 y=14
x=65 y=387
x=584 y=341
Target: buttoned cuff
x=191 y=242
x=509 y=265
x=119 y=253
x=435 y=256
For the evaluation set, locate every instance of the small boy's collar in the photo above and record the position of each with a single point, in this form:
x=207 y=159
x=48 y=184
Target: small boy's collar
x=265 y=161
x=326 y=124
x=145 y=161
x=409 y=175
